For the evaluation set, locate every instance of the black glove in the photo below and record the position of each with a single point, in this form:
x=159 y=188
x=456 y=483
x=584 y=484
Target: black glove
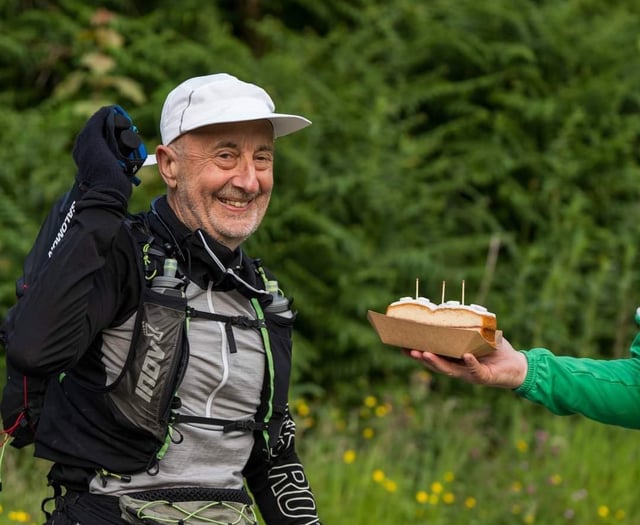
x=98 y=153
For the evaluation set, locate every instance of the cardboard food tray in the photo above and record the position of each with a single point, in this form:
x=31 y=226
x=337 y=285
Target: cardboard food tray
x=441 y=340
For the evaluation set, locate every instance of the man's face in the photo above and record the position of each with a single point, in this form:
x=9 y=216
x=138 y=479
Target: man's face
x=220 y=178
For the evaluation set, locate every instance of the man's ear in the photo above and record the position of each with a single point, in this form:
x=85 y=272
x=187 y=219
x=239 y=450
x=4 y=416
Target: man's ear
x=167 y=165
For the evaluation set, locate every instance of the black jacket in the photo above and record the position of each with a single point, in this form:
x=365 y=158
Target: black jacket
x=95 y=281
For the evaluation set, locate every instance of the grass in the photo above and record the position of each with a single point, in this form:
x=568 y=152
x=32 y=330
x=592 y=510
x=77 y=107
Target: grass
x=415 y=455
x=23 y=487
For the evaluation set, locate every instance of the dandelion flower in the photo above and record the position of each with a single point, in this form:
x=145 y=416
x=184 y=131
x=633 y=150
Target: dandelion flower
x=555 y=479
x=390 y=485
x=449 y=476
x=19 y=515
x=470 y=502
x=382 y=410
x=370 y=401
x=436 y=487
x=620 y=515
x=529 y=518
x=603 y=511
x=449 y=498
x=302 y=408
x=378 y=475
x=349 y=456
x=422 y=496
x=367 y=433
x=522 y=446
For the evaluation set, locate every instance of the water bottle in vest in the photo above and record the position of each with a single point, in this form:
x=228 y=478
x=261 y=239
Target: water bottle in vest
x=280 y=304
x=168 y=283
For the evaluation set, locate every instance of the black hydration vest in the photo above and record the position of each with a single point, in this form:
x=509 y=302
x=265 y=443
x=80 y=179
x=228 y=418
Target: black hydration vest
x=126 y=426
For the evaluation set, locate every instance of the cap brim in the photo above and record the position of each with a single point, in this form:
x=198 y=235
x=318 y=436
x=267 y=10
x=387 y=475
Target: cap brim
x=150 y=161
x=285 y=124
x=282 y=125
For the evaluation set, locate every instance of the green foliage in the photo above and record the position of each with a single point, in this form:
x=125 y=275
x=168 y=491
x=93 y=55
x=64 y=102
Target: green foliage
x=491 y=142
x=444 y=136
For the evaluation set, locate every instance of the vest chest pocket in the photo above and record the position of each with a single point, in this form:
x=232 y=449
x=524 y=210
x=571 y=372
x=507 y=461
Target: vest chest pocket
x=155 y=365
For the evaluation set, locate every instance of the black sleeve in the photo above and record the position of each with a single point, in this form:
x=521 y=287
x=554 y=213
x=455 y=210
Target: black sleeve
x=79 y=293
x=279 y=485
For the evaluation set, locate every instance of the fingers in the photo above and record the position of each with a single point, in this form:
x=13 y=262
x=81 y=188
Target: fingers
x=440 y=364
x=468 y=368
x=471 y=361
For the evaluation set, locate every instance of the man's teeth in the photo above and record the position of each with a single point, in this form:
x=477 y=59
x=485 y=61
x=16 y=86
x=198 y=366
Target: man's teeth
x=235 y=204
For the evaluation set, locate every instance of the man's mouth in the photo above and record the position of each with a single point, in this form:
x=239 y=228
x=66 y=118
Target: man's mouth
x=235 y=204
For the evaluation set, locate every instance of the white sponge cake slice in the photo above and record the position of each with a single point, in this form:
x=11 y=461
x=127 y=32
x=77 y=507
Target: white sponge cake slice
x=451 y=314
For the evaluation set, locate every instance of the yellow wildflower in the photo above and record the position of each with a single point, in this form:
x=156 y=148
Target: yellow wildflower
x=470 y=502
x=367 y=433
x=378 y=475
x=382 y=410
x=422 y=497
x=390 y=485
x=522 y=445
x=19 y=515
x=449 y=498
x=302 y=408
x=349 y=456
x=449 y=476
x=555 y=479
x=603 y=511
x=370 y=401
x=436 y=487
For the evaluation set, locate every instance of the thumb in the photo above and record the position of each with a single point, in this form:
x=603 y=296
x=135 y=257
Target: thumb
x=477 y=371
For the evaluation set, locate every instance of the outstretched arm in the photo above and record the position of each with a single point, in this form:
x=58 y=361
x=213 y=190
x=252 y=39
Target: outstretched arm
x=607 y=391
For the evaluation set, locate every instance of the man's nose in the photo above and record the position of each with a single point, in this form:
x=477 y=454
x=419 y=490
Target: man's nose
x=247 y=176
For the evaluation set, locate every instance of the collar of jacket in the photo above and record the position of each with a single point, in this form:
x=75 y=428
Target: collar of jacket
x=198 y=265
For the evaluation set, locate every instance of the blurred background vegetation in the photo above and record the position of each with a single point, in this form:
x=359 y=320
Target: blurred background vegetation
x=495 y=142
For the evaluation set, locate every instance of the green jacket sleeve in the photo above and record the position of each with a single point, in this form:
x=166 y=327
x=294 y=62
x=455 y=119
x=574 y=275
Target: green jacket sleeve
x=607 y=391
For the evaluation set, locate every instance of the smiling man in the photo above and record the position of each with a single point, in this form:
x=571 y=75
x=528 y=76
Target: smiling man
x=167 y=304
x=219 y=178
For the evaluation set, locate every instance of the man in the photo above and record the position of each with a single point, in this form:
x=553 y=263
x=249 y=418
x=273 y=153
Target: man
x=607 y=391
x=165 y=404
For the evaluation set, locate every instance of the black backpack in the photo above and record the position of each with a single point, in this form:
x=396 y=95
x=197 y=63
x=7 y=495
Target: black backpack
x=23 y=396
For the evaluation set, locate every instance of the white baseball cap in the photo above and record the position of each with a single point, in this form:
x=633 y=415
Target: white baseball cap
x=217 y=99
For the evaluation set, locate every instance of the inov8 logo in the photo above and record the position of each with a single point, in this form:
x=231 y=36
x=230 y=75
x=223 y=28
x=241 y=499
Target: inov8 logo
x=151 y=365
